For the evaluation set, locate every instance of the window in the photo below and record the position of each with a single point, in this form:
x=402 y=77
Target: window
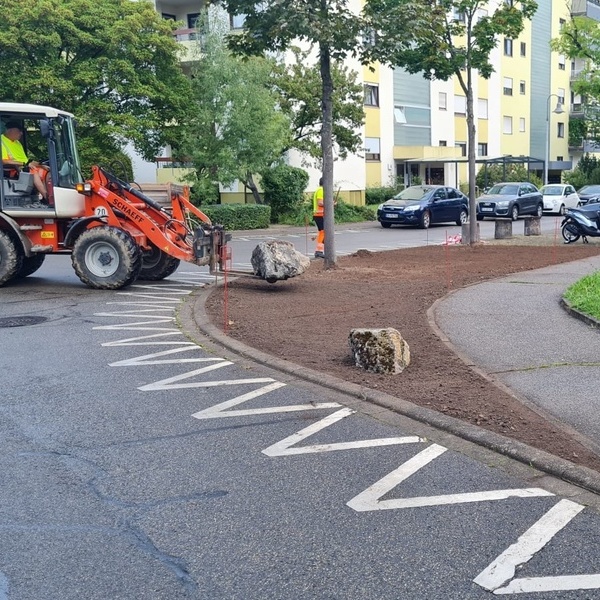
x=443 y=101
x=237 y=21
x=400 y=115
x=508 y=86
x=458 y=15
x=521 y=87
x=482 y=149
x=371 y=94
x=521 y=124
x=508 y=47
x=443 y=143
x=507 y=125
x=482 y=108
x=460 y=105
x=369 y=37
x=560 y=130
x=523 y=49
x=192 y=20
x=561 y=23
x=561 y=62
x=372 y=151
x=168 y=17
x=560 y=159
x=561 y=95
x=463 y=148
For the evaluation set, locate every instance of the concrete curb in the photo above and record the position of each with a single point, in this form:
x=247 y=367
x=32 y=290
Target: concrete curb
x=194 y=321
x=579 y=315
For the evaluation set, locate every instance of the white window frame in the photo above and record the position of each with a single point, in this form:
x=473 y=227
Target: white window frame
x=507 y=127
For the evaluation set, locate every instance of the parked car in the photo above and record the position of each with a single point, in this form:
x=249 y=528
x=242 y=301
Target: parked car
x=423 y=205
x=558 y=197
x=510 y=200
x=589 y=193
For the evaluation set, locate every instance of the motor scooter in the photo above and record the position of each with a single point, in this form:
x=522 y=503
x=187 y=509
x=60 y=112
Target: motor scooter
x=582 y=223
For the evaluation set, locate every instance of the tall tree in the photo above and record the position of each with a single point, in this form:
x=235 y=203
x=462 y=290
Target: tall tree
x=296 y=81
x=442 y=39
x=580 y=39
x=330 y=26
x=236 y=128
x=113 y=63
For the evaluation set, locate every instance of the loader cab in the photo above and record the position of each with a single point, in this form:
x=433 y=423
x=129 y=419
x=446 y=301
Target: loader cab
x=48 y=137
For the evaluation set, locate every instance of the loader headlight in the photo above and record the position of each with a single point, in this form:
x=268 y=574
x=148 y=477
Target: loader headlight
x=84 y=188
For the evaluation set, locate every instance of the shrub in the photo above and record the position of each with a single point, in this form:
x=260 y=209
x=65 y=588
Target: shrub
x=511 y=172
x=239 y=216
x=284 y=190
x=377 y=195
x=344 y=213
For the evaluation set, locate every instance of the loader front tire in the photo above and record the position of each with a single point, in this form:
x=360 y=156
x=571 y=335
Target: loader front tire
x=10 y=258
x=157 y=265
x=106 y=258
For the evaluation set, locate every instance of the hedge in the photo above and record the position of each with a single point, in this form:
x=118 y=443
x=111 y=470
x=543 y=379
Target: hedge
x=239 y=216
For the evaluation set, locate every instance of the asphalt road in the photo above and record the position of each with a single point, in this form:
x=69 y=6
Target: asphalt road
x=135 y=463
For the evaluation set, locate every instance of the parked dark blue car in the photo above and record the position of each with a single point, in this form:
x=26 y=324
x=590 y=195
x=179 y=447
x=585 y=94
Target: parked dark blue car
x=423 y=205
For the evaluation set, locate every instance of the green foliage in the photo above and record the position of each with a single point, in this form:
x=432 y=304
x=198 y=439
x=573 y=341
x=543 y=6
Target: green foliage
x=236 y=128
x=284 y=189
x=578 y=131
x=112 y=63
x=205 y=193
x=584 y=295
x=239 y=216
x=299 y=84
x=344 y=213
x=498 y=173
x=377 y=195
x=587 y=172
x=420 y=37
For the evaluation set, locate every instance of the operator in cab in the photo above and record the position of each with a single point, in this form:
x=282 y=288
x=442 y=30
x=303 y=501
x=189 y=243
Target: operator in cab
x=14 y=157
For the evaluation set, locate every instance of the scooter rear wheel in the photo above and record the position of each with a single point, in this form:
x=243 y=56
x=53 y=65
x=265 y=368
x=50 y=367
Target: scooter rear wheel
x=570 y=233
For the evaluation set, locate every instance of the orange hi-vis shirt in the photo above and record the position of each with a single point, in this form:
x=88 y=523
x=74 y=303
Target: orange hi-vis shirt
x=318 y=197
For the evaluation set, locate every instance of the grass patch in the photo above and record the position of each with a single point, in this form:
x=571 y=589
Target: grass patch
x=584 y=295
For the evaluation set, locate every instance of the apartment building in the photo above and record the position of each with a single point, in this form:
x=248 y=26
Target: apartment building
x=415 y=127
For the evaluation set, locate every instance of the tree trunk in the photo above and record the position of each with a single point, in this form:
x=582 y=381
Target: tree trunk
x=327 y=149
x=249 y=183
x=471 y=148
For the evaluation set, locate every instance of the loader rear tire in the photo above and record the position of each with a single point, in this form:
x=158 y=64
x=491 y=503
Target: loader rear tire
x=106 y=258
x=30 y=265
x=157 y=265
x=10 y=258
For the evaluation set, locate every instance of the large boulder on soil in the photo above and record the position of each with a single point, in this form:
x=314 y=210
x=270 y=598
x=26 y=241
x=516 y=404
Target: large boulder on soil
x=277 y=260
x=379 y=350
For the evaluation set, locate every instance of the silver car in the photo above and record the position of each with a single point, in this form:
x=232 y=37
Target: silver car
x=510 y=200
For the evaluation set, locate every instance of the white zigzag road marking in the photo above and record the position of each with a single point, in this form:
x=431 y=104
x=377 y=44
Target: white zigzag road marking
x=136 y=326
x=369 y=499
x=137 y=341
x=136 y=313
x=163 y=288
x=151 y=297
x=532 y=541
x=171 y=382
x=147 y=358
x=284 y=447
x=221 y=410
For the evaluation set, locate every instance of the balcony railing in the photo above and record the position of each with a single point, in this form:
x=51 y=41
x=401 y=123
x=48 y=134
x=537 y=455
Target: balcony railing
x=186 y=35
x=586 y=8
x=163 y=162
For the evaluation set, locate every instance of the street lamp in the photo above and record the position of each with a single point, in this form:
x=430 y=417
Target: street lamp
x=558 y=110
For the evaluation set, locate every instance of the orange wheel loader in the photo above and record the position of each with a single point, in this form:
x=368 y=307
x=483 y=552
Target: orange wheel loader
x=114 y=233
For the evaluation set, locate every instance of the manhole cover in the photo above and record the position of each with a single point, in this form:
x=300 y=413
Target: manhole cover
x=21 y=321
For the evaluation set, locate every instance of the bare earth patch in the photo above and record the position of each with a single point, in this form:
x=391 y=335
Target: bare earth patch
x=307 y=321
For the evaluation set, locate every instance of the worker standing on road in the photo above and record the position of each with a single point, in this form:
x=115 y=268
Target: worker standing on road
x=318 y=207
